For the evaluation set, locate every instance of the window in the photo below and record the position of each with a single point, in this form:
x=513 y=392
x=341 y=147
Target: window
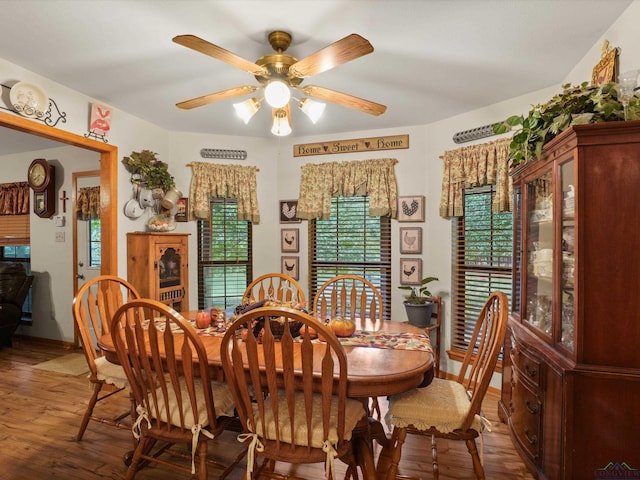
x=482 y=255
x=20 y=254
x=224 y=256
x=352 y=242
x=95 y=247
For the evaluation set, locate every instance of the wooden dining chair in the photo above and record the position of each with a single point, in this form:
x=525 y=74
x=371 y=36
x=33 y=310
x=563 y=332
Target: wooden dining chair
x=290 y=413
x=353 y=297
x=94 y=306
x=277 y=286
x=176 y=401
x=451 y=409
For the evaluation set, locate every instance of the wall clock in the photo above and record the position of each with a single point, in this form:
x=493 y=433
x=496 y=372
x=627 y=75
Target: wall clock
x=42 y=180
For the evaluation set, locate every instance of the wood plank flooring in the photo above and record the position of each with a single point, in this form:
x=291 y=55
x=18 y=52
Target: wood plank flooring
x=40 y=413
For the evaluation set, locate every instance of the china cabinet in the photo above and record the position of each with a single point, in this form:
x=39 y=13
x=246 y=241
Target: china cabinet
x=157 y=265
x=571 y=377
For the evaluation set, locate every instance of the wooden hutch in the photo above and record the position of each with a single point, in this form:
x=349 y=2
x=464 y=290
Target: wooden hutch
x=158 y=266
x=571 y=378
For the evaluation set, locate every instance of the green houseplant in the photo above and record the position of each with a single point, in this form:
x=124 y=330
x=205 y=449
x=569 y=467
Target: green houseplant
x=148 y=171
x=417 y=303
x=575 y=105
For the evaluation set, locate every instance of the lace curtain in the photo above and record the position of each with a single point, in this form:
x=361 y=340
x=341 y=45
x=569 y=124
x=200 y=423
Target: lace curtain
x=475 y=166
x=88 y=203
x=14 y=198
x=223 y=181
x=375 y=178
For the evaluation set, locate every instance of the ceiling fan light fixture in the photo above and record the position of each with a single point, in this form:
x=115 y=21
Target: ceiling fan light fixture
x=247 y=109
x=312 y=109
x=277 y=94
x=281 y=123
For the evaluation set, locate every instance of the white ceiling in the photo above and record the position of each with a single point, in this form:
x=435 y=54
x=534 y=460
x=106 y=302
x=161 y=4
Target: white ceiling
x=433 y=58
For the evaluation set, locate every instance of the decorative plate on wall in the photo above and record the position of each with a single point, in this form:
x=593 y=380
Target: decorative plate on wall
x=29 y=100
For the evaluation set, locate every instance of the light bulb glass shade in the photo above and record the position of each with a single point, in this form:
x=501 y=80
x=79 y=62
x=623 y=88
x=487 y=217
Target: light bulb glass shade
x=312 y=109
x=277 y=94
x=247 y=109
x=281 y=126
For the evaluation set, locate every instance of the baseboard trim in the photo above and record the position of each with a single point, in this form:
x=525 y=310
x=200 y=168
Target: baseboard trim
x=45 y=341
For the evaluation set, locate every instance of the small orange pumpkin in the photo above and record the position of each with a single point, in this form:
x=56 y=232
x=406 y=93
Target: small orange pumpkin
x=203 y=319
x=342 y=327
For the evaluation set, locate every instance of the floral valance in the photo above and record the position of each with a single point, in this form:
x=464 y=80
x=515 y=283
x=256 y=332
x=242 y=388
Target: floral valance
x=375 y=178
x=14 y=198
x=223 y=181
x=88 y=203
x=475 y=166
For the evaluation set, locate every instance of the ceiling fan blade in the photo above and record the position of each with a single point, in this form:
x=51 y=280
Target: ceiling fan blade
x=202 y=46
x=216 y=97
x=344 y=50
x=344 y=99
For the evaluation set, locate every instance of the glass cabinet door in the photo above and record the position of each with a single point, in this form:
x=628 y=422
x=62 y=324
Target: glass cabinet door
x=567 y=280
x=539 y=253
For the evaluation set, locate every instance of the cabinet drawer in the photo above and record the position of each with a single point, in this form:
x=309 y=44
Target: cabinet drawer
x=527 y=364
x=526 y=417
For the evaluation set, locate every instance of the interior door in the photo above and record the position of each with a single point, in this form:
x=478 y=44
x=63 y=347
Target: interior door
x=86 y=242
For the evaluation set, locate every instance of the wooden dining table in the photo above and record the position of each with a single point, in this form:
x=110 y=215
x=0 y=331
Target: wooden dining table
x=373 y=371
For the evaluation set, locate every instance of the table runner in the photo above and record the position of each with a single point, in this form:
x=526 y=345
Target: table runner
x=360 y=338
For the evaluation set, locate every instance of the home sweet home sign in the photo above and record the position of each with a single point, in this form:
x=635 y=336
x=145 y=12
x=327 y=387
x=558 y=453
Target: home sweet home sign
x=371 y=144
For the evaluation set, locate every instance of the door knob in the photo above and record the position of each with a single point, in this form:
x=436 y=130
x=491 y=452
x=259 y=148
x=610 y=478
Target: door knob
x=80 y=276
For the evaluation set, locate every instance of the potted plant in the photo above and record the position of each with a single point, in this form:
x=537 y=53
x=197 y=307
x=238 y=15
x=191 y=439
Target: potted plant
x=575 y=105
x=148 y=171
x=417 y=303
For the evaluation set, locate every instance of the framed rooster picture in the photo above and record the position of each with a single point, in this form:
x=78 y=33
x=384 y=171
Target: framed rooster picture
x=411 y=240
x=289 y=211
x=290 y=266
x=411 y=209
x=289 y=240
x=410 y=271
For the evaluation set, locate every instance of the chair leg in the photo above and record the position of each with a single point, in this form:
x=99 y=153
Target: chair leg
x=398 y=437
x=137 y=457
x=375 y=408
x=97 y=387
x=434 y=458
x=202 y=464
x=478 y=469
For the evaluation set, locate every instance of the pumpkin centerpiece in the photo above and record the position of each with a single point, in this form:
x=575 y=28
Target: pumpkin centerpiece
x=342 y=327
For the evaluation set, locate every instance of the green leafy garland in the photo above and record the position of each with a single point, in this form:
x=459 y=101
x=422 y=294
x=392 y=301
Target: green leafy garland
x=149 y=169
x=576 y=105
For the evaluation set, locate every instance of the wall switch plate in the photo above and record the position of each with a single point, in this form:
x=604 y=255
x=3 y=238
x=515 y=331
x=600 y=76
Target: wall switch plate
x=59 y=236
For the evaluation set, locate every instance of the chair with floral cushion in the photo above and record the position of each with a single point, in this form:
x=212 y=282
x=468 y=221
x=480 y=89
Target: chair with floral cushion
x=451 y=409
x=290 y=393
x=93 y=309
x=166 y=365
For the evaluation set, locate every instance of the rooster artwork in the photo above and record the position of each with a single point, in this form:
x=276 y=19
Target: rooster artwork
x=411 y=240
x=289 y=211
x=100 y=122
x=411 y=209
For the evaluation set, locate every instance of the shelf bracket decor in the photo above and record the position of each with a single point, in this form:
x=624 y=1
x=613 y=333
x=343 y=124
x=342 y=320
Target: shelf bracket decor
x=223 y=154
x=475 y=133
x=51 y=117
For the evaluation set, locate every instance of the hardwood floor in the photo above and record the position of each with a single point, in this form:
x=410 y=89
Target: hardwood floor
x=40 y=413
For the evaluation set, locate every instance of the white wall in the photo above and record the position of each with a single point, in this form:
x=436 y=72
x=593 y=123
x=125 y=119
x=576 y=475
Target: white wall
x=419 y=169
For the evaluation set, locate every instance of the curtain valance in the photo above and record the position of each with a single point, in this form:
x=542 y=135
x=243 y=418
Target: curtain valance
x=475 y=166
x=88 y=203
x=223 y=181
x=14 y=198
x=321 y=181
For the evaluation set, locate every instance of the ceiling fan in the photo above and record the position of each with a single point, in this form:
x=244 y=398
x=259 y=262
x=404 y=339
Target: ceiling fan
x=278 y=73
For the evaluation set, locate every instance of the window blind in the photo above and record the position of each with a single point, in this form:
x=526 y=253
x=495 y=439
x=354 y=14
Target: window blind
x=224 y=255
x=351 y=242
x=15 y=230
x=482 y=261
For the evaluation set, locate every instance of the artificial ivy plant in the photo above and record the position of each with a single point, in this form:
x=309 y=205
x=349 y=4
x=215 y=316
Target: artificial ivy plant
x=575 y=105
x=145 y=168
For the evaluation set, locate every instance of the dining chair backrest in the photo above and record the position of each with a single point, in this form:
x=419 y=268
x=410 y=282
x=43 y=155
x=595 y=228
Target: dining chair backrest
x=163 y=356
x=349 y=296
x=93 y=308
x=276 y=286
x=280 y=379
x=481 y=357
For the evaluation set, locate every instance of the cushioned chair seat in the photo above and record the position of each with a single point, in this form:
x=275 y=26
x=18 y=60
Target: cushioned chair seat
x=444 y=404
x=353 y=413
x=110 y=373
x=222 y=399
